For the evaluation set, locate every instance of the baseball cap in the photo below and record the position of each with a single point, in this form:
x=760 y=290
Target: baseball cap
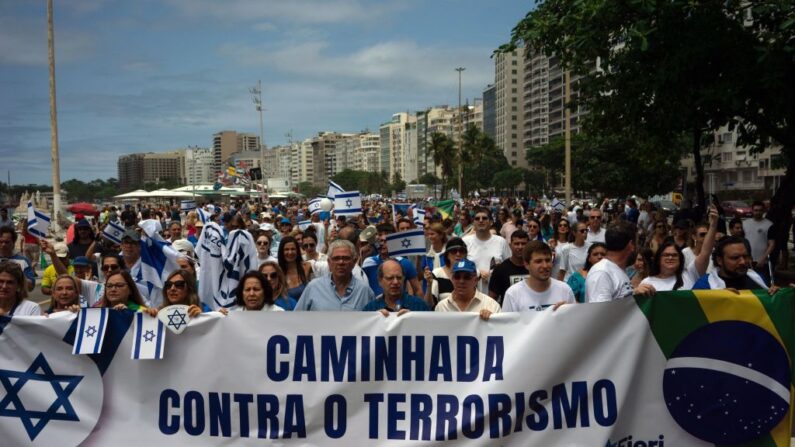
x=183 y=246
x=61 y=250
x=455 y=243
x=82 y=224
x=80 y=261
x=465 y=265
x=266 y=227
x=132 y=234
x=285 y=221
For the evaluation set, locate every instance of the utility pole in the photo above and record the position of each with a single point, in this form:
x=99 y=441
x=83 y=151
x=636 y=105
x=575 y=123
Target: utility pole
x=56 y=165
x=256 y=96
x=567 y=127
x=460 y=137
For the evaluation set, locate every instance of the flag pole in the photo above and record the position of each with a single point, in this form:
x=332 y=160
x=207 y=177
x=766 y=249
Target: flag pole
x=56 y=165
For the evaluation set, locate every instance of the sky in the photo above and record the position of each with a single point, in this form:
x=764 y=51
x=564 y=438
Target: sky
x=157 y=75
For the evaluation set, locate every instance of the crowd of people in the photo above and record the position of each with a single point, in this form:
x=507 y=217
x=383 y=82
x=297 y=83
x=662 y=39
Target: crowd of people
x=484 y=257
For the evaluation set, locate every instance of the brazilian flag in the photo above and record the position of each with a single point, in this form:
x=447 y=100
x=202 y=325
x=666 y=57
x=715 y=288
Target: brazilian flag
x=445 y=207
x=728 y=378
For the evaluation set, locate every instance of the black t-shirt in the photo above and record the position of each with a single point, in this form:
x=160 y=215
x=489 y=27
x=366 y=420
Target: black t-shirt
x=505 y=275
x=740 y=283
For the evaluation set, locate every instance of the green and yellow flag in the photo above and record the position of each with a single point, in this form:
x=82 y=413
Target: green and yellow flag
x=445 y=207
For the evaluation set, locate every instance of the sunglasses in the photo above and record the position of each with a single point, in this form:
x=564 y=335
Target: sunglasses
x=464 y=276
x=110 y=268
x=582 y=231
x=263 y=243
x=178 y=284
x=595 y=217
x=702 y=234
x=308 y=246
x=481 y=218
x=271 y=275
x=563 y=225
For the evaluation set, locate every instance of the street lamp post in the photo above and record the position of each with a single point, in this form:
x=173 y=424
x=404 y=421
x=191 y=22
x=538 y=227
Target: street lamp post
x=567 y=127
x=460 y=137
x=256 y=96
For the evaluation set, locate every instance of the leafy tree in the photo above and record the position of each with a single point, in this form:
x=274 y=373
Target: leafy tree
x=398 y=184
x=444 y=155
x=308 y=189
x=679 y=67
x=482 y=159
x=429 y=179
x=508 y=179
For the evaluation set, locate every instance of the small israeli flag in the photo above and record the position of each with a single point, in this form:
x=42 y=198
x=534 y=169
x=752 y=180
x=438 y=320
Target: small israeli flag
x=113 y=232
x=91 y=325
x=304 y=224
x=38 y=222
x=187 y=205
x=333 y=190
x=557 y=204
x=314 y=206
x=406 y=243
x=419 y=217
x=348 y=203
x=149 y=338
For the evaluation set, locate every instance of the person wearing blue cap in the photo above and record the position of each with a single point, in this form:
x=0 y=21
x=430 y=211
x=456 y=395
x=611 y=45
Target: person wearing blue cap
x=465 y=296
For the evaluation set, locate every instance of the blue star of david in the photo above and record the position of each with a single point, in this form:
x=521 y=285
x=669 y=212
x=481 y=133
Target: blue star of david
x=91 y=331
x=175 y=322
x=349 y=203
x=406 y=243
x=63 y=385
x=149 y=335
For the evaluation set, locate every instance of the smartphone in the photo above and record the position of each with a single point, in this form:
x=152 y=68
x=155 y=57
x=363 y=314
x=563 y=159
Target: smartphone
x=716 y=202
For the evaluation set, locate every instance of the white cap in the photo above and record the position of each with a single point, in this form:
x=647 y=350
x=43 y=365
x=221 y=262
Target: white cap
x=266 y=227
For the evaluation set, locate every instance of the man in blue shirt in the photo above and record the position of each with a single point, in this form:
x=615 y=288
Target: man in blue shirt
x=370 y=265
x=339 y=290
x=394 y=298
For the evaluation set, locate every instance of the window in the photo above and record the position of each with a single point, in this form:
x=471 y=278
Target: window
x=513 y=144
x=726 y=156
x=513 y=62
x=726 y=137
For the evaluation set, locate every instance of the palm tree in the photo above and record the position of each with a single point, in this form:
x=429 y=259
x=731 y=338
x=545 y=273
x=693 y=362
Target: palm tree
x=444 y=155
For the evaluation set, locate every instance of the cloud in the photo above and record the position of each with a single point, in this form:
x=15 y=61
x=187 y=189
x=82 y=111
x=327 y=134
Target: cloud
x=265 y=26
x=296 y=11
x=24 y=42
x=391 y=63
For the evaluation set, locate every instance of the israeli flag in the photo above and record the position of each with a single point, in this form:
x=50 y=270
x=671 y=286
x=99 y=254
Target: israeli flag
x=158 y=260
x=149 y=338
x=333 y=190
x=38 y=222
x=187 y=205
x=91 y=325
x=203 y=215
x=348 y=204
x=304 y=224
x=557 y=204
x=419 y=217
x=113 y=232
x=406 y=243
x=314 y=206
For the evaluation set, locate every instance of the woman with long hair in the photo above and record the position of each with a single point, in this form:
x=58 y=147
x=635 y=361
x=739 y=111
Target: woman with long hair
x=65 y=295
x=440 y=279
x=264 y=241
x=180 y=288
x=534 y=229
x=278 y=283
x=658 y=236
x=13 y=292
x=121 y=293
x=576 y=280
x=297 y=272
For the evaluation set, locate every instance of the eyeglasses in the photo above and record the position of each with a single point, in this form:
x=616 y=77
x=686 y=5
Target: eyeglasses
x=563 y=225
x=464 y=276
x=308 y=246
x=533 y=226
x=115 y=285
x=457 y=250
x=582 y=231
x=110 y=267
x=669 y=255
x=263 y=243
x=271 y=275
x=181 y=284
x=481 y=218
x=702 y=234
x=594 y=217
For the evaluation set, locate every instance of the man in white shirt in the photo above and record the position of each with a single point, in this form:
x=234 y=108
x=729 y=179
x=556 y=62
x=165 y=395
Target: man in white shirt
x=607 y=280
x=756 y=231
x=465 y=296
x=595 y=231
x=486 y=250
x=539 y=289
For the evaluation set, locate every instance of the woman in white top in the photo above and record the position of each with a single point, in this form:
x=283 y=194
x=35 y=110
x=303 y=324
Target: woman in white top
x=263 y=242
x=254 y=293
x=13 y=292
x=669 y=272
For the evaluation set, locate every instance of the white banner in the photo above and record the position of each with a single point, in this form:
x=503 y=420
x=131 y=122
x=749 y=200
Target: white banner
x=584 y=375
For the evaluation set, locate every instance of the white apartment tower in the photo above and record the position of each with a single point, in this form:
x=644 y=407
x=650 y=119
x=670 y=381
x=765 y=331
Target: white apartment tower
x=509 y=80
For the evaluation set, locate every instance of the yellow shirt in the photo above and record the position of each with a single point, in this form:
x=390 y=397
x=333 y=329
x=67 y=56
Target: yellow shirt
x=50 y=275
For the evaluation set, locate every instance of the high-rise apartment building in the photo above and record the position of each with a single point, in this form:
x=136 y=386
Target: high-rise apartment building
x=394 y=144
x=437 y=119
x=227 y=142
x=199 y=166
x=277 y=162
x=490 y=111
x=136 y=170
x=509 y=80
